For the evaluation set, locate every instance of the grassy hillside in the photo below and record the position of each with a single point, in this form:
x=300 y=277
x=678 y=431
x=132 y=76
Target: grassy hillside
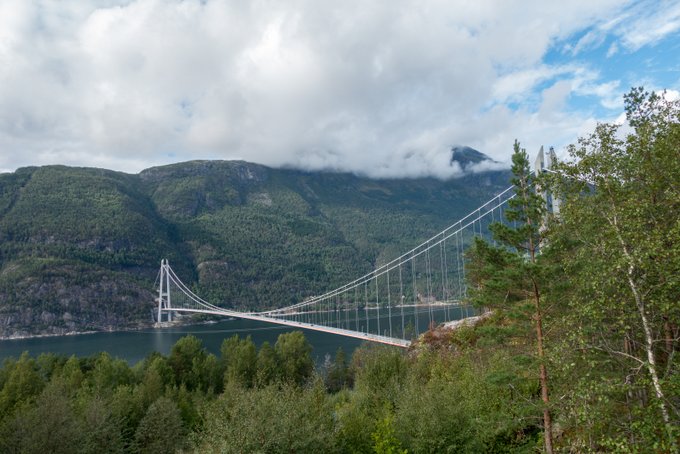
x=80 y=247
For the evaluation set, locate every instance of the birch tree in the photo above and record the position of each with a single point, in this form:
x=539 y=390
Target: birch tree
x=621 y=221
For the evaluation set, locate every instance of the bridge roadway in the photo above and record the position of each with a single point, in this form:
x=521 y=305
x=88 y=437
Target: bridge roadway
x=326 y=329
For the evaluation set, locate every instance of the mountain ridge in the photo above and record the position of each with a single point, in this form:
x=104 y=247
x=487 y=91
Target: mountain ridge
x=80 y=247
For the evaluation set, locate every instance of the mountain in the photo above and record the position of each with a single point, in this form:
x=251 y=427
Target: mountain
x=467 y=157
x=80 y=247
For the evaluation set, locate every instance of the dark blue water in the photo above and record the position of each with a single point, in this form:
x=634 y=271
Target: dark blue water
x=133 y=346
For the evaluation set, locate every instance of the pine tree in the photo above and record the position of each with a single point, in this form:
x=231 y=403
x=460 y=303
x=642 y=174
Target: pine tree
x=511 y=271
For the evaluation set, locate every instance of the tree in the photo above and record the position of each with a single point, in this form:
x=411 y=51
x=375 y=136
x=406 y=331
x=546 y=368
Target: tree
x=274 y=418
x=128 y=407
x=240 y=359
x=72 y=374
x=384 y=440
x=511 y=271
x=379 y=369
x=186 y=358
x=432 y=416
x=295 y=357
x=337 y=373
x=621 y=206
x=100 y=430
x=49 y=425
x=23 y=382
x=49 y=364
x=108 y=373
x=267 y=365
x=161 y=428
x=212 y=376
x=156 y=377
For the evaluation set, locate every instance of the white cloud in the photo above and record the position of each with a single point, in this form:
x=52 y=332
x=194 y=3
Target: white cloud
x=554 y=97
x=610 y=96
x=635 y=25
x=652 y=22
x=671 y=95
x=613 y=49
x=593 y=38
x=383 y=88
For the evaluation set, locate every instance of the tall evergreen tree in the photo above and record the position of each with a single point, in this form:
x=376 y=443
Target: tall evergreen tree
x=511 y=270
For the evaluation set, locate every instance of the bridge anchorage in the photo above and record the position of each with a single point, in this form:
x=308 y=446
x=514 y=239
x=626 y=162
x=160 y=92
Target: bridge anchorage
x=391 y=305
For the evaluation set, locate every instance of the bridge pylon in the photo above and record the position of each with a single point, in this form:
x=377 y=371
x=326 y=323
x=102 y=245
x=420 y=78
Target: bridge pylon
x=544 y=163
x=164 y=292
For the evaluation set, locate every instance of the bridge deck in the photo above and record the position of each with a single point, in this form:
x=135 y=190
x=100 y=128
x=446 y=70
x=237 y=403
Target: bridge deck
x=326 y=329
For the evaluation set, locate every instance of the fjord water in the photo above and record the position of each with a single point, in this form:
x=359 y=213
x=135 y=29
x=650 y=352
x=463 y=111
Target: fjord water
x=134 y=346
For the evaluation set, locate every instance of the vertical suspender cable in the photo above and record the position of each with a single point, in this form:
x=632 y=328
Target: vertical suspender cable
x=366 y=304
x=356 y=308
x=459 y=265
x=462 y=264
x=458 y=284
x=443 y=277
x=493 y=220
x=377 y=304
x=401 y=301
x=389 y=303
x=428 y=270
x=346 y=311
x=415 y=294
x=481 y=234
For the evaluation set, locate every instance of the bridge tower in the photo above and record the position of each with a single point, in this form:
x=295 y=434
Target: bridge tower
x=164 y=292
x=544 y=163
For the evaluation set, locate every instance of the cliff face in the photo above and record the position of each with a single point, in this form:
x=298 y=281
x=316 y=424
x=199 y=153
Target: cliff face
x=80 y=247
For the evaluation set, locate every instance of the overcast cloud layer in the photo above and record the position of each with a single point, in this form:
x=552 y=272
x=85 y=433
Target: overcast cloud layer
x=383 y=88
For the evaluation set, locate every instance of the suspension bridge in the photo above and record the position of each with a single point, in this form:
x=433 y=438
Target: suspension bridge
x=389 y=305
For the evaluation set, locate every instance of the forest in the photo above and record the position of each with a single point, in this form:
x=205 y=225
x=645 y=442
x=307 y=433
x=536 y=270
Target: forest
x=578 y=352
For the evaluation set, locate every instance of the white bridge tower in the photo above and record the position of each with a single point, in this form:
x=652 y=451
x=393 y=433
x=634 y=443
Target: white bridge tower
x=544 y=163
x=164 y=292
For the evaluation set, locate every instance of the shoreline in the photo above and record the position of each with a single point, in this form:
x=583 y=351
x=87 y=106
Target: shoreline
x=79 y=333
x=69 y=333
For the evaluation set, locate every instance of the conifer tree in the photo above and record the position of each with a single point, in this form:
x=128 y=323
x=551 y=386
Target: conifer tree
x=511 y=271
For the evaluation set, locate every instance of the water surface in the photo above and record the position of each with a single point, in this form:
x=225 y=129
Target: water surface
x=133 y=346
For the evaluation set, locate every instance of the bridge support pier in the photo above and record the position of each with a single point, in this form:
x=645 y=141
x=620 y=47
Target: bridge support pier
x=164 y=293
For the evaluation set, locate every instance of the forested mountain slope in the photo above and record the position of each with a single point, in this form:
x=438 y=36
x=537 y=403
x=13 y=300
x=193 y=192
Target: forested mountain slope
x=80 y=247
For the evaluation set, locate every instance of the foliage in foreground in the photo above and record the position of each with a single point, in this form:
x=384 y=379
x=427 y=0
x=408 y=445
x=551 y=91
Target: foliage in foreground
x=269 y=400
x=617 y=244
x=608 y=276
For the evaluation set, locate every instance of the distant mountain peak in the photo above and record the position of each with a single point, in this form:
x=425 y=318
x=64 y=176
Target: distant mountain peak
x=467 y=156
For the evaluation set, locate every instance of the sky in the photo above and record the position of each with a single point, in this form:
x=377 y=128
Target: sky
x=382 y=88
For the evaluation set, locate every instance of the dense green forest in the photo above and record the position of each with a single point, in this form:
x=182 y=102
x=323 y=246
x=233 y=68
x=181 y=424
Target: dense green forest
x=80 y=247
x=271 y=400
x=578 y=352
